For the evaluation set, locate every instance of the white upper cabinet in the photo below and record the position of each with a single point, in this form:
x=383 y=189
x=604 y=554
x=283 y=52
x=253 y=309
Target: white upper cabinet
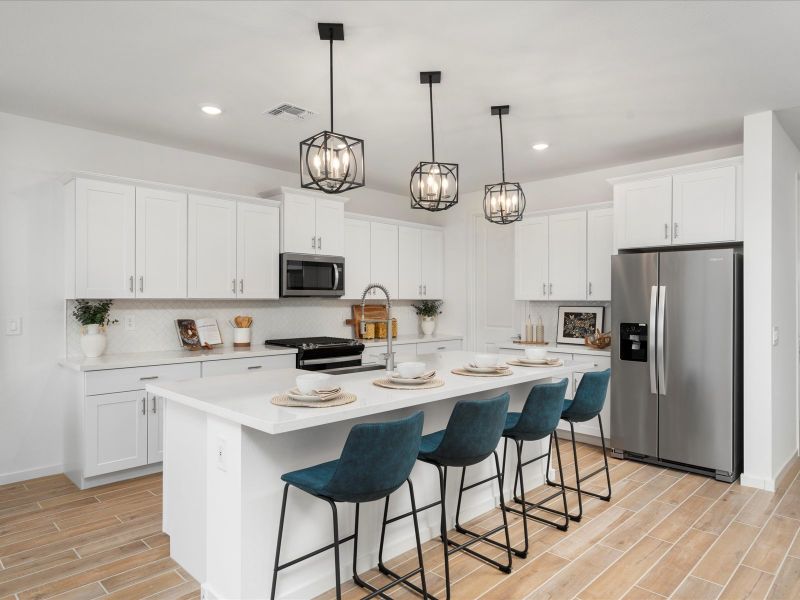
x=567 y=256
x=160 y=244
x=643 y=213
x=357 y=263
x=212 y=247
x=384 y=255
x=432 y=261
x=409 y=242
x=103 y=260
x=599 y=248
x=531 y=277
x=311 y=225
x=704 y=206
x=257 y=250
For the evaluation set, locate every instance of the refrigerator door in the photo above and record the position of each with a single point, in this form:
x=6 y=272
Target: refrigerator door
x=634 y=401
x=696 y=388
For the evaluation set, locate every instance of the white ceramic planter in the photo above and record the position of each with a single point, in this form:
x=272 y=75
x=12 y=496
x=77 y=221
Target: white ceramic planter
x=428 y=325
x=93 y=341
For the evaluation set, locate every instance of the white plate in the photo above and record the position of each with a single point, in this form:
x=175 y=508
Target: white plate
x=405 y=381
x=295 y=394
x=533 y=361
x=472 y=369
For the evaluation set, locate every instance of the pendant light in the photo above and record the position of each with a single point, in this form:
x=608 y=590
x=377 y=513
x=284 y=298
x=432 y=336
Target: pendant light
x=503 y=202
x=434 y=185
x=331 y=162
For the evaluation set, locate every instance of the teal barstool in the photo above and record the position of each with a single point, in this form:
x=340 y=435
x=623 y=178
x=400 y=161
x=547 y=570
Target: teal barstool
x=585 y=406
x=537 y=421
x=376 y=460
x=472 y=435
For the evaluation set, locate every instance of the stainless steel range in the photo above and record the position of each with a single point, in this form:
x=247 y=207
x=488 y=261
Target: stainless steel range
x=329 y=354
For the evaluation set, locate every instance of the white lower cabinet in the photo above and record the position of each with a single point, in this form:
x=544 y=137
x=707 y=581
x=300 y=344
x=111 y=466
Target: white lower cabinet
x=116 y=427
x=212 y=368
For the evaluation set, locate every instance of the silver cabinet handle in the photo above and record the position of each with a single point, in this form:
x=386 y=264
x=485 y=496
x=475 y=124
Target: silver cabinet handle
x=441 y=348
x=241 y=286
x=130 y=284
x=155 y=402
x=666 y=231
x=551 y=289
x=420 y=289
x=662 y=310
x=314 y=242
x=233 y=285
x=319 y=243
x=144 y=405
x=148 y=377
x=590 y=288
x=254 y=367
x=651 y=339
x=141 y=283
x=675 y=231
x=544 y=289
x=424 y=289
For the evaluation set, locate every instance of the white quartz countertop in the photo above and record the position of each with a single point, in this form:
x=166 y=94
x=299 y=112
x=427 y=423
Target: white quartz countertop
x=168 y=357
x=413 y=339
x=558 y=348
x=246 y=399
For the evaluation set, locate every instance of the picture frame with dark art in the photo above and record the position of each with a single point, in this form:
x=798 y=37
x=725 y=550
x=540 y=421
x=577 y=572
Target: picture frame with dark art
x=576 y=322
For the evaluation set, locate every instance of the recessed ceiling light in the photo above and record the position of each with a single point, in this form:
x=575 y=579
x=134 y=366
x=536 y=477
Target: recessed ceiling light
x=211 y=110
x=541 y=146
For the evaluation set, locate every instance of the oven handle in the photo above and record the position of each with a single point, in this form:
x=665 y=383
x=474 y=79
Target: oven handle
x=335 y=276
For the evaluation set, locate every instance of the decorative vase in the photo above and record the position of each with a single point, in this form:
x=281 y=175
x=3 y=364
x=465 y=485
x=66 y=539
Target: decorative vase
x=428 y=324
x=93 y=341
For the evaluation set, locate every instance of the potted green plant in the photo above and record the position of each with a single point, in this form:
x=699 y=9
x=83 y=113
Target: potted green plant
x=93 y=317
x=427 y=311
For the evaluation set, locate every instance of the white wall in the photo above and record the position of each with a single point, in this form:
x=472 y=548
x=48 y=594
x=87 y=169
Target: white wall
x=34 y=157
x=771 y=167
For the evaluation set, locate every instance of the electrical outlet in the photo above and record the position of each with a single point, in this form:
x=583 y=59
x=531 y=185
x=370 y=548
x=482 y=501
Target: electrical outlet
x=222 y=454
x=130 y=322
x=776 y=336
x=14 y=326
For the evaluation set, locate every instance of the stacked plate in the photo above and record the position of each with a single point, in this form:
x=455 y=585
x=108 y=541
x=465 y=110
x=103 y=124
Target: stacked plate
x=540 y=362
x=473 y=368
x=316 y=395
x=412 y=381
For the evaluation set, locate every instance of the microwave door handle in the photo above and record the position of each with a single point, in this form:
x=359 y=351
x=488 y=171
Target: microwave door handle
x=662 y=311
x=335 y=277
x=651 y=340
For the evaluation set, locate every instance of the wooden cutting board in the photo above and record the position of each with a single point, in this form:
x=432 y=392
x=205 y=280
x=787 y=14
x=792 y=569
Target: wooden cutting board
x=371 y=312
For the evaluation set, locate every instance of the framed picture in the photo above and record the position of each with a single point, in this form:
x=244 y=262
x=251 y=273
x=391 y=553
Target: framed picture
x=575 y=322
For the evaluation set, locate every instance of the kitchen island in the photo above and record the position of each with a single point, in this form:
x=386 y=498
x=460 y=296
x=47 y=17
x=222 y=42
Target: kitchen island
x=226 y=446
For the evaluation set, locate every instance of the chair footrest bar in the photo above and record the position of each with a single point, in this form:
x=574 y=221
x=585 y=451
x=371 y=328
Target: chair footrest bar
x=409 y=513
x=398 y=580
x=477 y=483
x=592 y=494
x=403 y=580
x=465 y=548
x=560 y=526
x=532 y=460
x=314 y=553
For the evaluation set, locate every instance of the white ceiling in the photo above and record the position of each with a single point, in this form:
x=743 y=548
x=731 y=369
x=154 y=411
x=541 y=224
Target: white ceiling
x=603 y=83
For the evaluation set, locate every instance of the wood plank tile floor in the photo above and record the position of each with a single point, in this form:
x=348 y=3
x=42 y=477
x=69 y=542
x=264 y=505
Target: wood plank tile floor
x=665 y=534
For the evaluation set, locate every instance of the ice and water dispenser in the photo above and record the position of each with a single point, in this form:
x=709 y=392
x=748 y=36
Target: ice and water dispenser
x=633 y=342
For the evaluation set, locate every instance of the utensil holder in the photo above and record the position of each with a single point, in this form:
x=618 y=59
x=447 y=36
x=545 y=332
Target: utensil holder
x=241 y=337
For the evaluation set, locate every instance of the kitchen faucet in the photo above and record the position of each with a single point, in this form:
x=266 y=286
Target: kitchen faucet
x=388 y=356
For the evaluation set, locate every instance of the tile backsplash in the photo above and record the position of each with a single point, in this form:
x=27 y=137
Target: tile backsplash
x=549 y=313
x=155 y=321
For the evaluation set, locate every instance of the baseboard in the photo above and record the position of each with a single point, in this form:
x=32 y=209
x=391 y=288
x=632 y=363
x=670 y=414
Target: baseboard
x=787 y=467
x=761 y=483
x=18 y=476
x=90 y=482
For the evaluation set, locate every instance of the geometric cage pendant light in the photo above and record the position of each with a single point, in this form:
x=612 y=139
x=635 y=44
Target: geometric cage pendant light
x=331 y=162
x=503 y=202
x=434 y=185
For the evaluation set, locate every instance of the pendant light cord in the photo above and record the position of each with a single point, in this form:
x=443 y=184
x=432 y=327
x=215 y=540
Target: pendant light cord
x=331 y=65
x=502 y=151
x=433 y=145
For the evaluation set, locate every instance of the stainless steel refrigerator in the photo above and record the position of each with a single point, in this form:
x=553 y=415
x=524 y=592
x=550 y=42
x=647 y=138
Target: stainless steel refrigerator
x=676 y=392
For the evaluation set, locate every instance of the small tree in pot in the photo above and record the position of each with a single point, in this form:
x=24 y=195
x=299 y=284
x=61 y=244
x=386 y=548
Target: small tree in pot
x=427 y=310
x=93 y=316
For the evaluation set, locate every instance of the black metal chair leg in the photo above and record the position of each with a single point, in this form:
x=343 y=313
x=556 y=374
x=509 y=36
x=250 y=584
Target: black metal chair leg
x=524 y=552
x=280 y=537
x=445 y=542
x=383 y=532
x=419 y=542
x=547 y=468
x=577 y=475
x=606 y=497
x=561 y=479
x=502 y=512
x=336 y=548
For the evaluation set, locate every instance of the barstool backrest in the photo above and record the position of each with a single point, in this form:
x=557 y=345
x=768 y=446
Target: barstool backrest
x=542 y=411
x=377 y=458
x=473 y=431
x=589 y=397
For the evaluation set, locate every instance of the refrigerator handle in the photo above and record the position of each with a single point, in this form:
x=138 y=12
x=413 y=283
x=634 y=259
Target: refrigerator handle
x=651 y=339
x=662 y=311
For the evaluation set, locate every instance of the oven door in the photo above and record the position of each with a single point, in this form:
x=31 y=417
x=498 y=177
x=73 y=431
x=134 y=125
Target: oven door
x=311 y=275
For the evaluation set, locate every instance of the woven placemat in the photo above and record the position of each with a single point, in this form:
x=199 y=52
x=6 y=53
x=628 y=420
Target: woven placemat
x=388 y=383
x=284 y=400
x=518 y=363
x=471 y=374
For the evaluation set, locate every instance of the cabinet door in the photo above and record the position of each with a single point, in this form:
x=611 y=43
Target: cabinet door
x=384 y=265
x=257 y=250
x=105 y=242
x=212 y=247
x=116 y=432
x=643 y=213
x=530 y=259
x=704 y=206
x=160 y=244
x=567 y=256
x=357 y=240
x=409 y=259
x=330 y=227
x=299 y=224
x=432 y=261
x=599 y=247
x=155 y=429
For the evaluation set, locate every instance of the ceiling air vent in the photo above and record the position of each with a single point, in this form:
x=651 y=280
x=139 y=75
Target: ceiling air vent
x=289 y=112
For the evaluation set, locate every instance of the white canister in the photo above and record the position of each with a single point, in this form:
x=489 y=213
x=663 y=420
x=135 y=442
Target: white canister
x=241 y=337
x=93 y=341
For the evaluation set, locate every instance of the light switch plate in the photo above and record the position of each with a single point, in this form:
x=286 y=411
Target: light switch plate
x=130 y=322
x=14 y=326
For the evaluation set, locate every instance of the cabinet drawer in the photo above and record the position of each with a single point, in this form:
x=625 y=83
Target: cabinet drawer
x=212 y=368
x=430 y=347
x=135 y=378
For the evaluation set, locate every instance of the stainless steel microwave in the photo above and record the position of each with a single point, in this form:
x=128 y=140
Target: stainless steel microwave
x=311 y=275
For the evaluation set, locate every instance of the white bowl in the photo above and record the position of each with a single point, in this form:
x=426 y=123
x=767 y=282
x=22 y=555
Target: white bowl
x=485 y=360
x=312 y=381
x=409 y=370
x=536 y=353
